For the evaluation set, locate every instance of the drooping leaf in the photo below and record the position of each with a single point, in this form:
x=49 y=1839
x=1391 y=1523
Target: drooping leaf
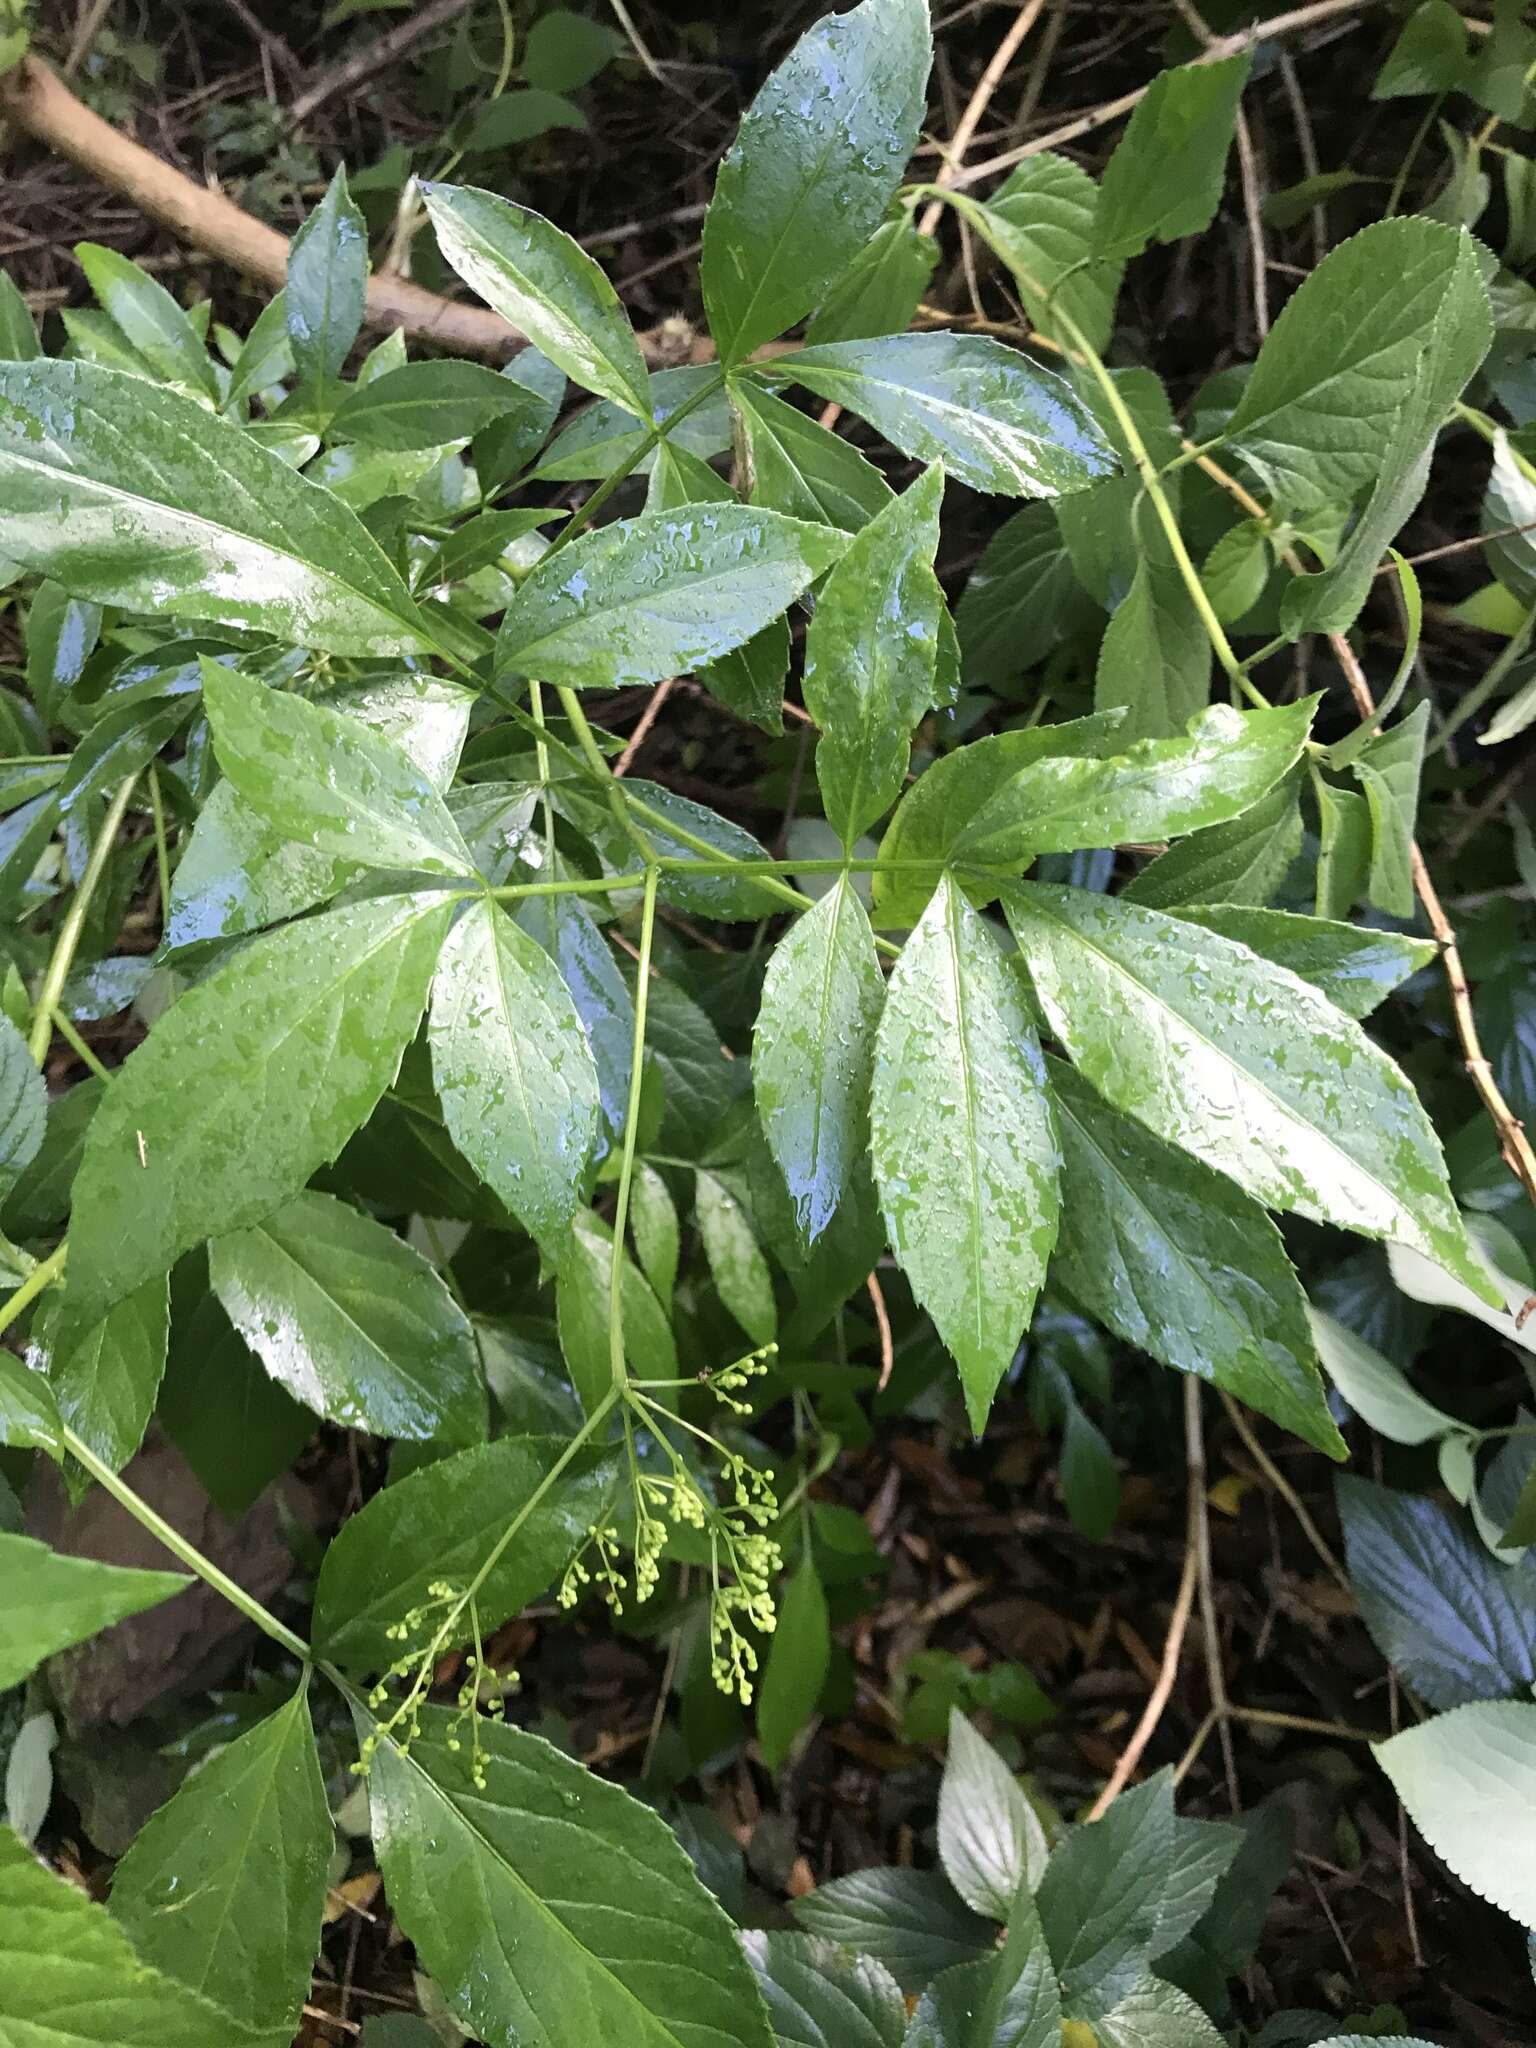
x=991 y=1840
x=1163 y=180
x=72 y=1966
x=53 y=1601
x=1457 y=1624
x=881 y=289
x=514 y=1072
x=870 y=654
x=447 y=1521
x=106 y=1382
x=567 y=931
x=328 y=781
x=539 y=279
x=813 y=1050
x=1155 y=657
x=986 y=412
x=798 y=467
x=910 y=1920
x=653 y=1223
x=1374 y=1387
x=1344 y=849
x=581 y=1301
x=964 y=1141
x=1468 y=1780
x=256 y=1078
x=1021 y=600
x=1240 y=1062
x=646 y=598
x=327 y=285
x=1157 y=789
x=814 y=165
x=29 y=1414
x=224 y=1886
x=538 y=1901
x=129 y=494
x=820 y=1996
x=352 y=1321
x=1164 y=1252
x=796 y=1666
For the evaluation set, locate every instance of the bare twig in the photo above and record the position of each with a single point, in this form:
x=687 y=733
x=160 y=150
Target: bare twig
x=976 y=107
x=372 y=54
x=1287 y=1493
x=883 y=1325
x=1194 y=1458
x=647 y=719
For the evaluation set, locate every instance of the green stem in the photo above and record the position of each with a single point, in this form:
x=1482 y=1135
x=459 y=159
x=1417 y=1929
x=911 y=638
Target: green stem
x=586 y=513
x=631 y=1140
x=162 y=851
x=179 y=1547
x=74 y=923
x=618 y=803
x=551 y=1478
x=41 y=1276
x=576 y=885
x=77 y=1044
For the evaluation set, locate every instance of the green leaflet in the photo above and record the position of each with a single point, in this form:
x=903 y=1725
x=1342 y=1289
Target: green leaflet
x=1356 y=966
x=964 y=1142
x=327 y=780
x=820 y=1996
x=1157 y=789
x=71 y=1964
x=1344 y=848
x=106 y=1381
x=1340 y=364
x=18 y=330
x=444 y=1522
x=23 y=1106
x=991 y=1840
x=736 y=1263
x=425 y=405
x=224 y=1887
x=485 y=1883
x=796 y=1668
x=53 y=1601
x=1103 y=1895
x=654 y=1227
x=127 y=494
x=327 y=286
x=567 y=931
x=258 y=1076
x=513 y=1069
x=539 y=279
x=1165 y=1253
x=1375 y=1388
x=1387 y=769
x=1021 y=601
x=813 y=1050
x=797 y=466
x=881 y=289
x=1468 y=1780
x=939 y=807
x=645 y=598
x=1240 y=1062
x=986 y=412
x=29 y=1414
x=814 y=165
x=581 y=1306
x=1040 y=221
x=1008 y=2001
x=870 y=655
x=353 y=1322
x=911 y=1920
x=151 y=319
x=1241 y=862
x=1155 y=657
x=1164 y=178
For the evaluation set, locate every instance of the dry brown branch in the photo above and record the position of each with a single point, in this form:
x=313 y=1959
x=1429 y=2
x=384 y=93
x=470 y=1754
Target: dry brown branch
x=372 y=55
x=979 y=101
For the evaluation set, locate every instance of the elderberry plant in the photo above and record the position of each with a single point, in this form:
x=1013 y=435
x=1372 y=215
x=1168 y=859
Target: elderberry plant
x=446 y=1089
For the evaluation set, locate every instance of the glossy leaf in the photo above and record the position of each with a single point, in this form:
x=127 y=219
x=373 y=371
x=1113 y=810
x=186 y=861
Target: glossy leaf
x=327 y=780
x=736 y=1263
x=797 y=466
x=53 y=1601
x=964 y=1141
x=1155 y=657
x=1103 y=1894
x=1021 y=600
x=1240 y=1062
x=539 y=279
x=224 y=1886
x=990 y=1838
x=986 y=412
x=1164 y=177
x=1356 y=966
x=1241 y=862
x=796 y=1667
x=1468 y=1780
x=29 y=1414
x=813 y=1051
x=257 y=1077
x=127 y=494
x=1166 y=1254
x=646 y=598
x=106 y=1381
x=446 y=1522
x=567 y=931
x=881 y=289
x=72 y=1969
x=814 y=165
x=820 y=1996
x=23 y=1106
x=535 y=1900
x=911 y=1920
x=152 y=320
x=327 y=285
x=425 y=405
x=581 y=1301
x=352 y=1321
x=1157 y=789
x=514 y=1072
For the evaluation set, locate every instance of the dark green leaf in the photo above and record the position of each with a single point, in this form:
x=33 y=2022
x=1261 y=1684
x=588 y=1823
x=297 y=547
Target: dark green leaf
x=881 y=289
x=29 y=1414
x=986 y=412
x=1166 y=1254
x=797 y=466
x=565 y=51
x=1155 y=657
x=106 y=1380
x=224 y=1887
x=256 y=1078
x=736 y=1263
x=23 y=1106
x=131 y=495
x=568 y=933
x=820 y=1996
x=964 y=1141
x=870 y=654
x=1008 y=2001
x=486 y=1885
x=540 y=280
x=327 y=285
x=1239 y=1061
x=1164 y=178
x=1022 y=600
x=814 y=165
x=910 y=1920
x=990 y=1838
x=424 y=405
x=1103 y=1894
x=352 y=1321
x=653 y=1224
x=796 y=1669
x=1241 y=862
x=1040 y=221
x=18 y=331
x=1387 y=768
x=1344 y=848
x=235 y=1427
x=1429 y=56
x=448 y=1521
x=53 y=1601
x=646 y=598
x=581 y=1299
